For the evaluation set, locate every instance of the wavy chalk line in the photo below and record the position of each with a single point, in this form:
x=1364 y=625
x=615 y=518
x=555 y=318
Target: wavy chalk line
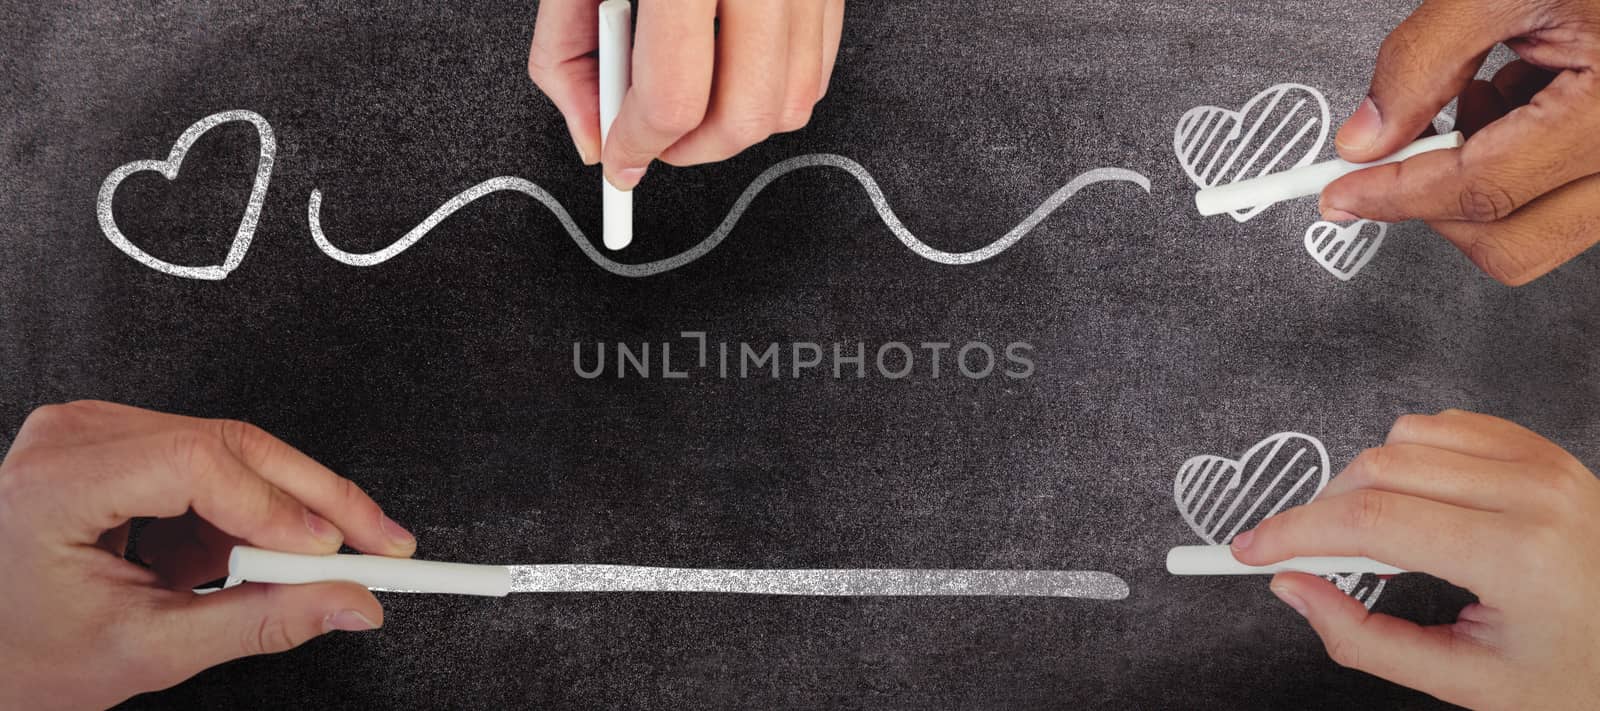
x=169 y=167
x=881 y=203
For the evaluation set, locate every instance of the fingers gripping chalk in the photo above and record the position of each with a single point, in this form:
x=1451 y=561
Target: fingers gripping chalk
x=371 y=571
x=616 y=75
x=1309 y=180
x=1219 y=560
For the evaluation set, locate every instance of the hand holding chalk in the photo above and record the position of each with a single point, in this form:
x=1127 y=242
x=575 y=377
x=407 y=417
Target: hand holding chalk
x=84 y=628
x=1523 y=195
x=706 y=83
x=1478 y=501
x=1303 y=181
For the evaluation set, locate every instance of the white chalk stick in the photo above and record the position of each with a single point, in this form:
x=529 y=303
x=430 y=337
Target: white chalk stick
x=1219 y=560
x=372 y=571
x=616 y=75
x=1308 y=180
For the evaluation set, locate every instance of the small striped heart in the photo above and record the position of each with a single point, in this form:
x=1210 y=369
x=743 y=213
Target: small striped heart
x=1344 y=249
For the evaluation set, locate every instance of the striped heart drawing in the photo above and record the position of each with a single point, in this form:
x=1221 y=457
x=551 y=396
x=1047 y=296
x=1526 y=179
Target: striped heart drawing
x=1282 y=127
x=1344 y=249
x=1219 y=497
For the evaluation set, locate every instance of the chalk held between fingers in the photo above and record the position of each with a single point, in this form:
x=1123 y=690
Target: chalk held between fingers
x=616 y=76
x=374 y=572
x=1304 y=181
x=1219 y=560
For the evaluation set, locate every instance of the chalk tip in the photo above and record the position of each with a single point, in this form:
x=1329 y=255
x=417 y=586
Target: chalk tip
x=616 y=217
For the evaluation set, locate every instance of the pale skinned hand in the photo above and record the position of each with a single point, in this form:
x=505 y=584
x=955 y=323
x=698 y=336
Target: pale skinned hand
x=1523 y=195
x=81 y=627
x=1486 y=505
x=710 y=78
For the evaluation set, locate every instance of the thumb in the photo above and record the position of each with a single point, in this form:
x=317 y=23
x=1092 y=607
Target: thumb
x=254 y=618
x=1422 y=65
x=1436 y=660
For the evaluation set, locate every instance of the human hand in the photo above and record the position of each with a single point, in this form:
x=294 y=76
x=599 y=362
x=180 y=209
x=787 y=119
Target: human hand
x=1486 y=505
x=82 y=627
x=710 y=78
x=1522 y=196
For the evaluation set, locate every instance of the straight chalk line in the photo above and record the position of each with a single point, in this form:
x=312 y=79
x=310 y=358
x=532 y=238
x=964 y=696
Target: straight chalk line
x=892 y=582
x=250 y=564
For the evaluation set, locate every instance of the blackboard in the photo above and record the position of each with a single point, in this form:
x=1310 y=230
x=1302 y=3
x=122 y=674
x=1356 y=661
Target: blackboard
x=442 y=380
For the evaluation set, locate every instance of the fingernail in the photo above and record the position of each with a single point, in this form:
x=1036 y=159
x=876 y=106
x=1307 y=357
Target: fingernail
x=627 y=178
x=1290 y=599
x=1362 y=128
x=347 y=621
x=1334 y=214
x=396 y=533
x=1242 y=541
x=321 y=528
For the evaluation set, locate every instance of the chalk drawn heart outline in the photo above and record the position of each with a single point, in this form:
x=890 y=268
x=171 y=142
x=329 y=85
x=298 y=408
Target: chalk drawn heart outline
x=168 y=169
x=1340 y=249
x=1191 y=139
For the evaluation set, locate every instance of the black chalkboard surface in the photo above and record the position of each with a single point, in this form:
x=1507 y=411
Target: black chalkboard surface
x=443 y=378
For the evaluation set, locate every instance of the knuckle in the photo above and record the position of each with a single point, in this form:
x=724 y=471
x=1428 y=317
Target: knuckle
x=674 y=113
x=748 y=129
x=795 y=116
x=1400 y=44
x=347 y=493
x=628 y=144
x=542 y=62
x=1366 y=511
x=674 y=159
x=1408 y=426
x=1374 y=463
x=194 y=453
x=1482 y=200
x=1403 y=48
x=56 y=421
x=268 y=636
x=247 y=441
